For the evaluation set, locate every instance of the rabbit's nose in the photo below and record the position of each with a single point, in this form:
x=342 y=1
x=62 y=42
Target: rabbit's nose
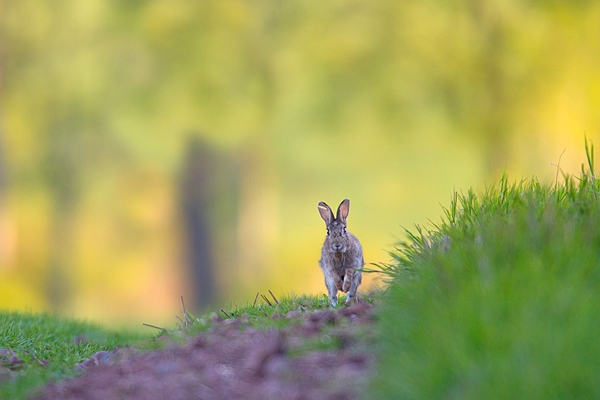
x=337 y=246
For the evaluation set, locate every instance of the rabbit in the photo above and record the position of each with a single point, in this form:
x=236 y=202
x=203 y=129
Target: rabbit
x=341 y=255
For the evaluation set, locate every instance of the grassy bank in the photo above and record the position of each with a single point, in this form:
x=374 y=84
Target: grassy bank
x=500 y=300
x=36 y=348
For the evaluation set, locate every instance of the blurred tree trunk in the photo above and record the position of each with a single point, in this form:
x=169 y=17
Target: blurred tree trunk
x=197 y=195
x=2 y=162
x=3 y=173
x=63 y=166
x=4 y=250
x=4 y=245
x=495 y=123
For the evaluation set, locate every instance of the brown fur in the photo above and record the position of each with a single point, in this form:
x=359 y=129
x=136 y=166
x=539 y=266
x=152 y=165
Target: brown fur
x=341 y=255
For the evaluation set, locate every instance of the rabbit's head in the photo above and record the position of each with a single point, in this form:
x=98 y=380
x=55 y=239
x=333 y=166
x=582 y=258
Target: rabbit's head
x=338 y=239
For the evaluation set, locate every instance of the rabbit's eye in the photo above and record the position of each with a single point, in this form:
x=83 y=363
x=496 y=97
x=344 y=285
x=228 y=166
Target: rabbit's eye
x=327 y=232
x=344 y=229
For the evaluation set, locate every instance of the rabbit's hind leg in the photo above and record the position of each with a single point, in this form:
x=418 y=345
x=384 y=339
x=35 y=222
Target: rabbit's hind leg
x=347 y=280
x=356 y=281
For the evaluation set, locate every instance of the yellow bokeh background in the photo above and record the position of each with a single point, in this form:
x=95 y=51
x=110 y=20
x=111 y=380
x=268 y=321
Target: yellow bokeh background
x=393 y=104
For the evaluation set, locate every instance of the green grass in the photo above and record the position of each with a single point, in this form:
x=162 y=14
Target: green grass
x=500 y=300
x=266 y=312
x=270 y=312
x=50 y=348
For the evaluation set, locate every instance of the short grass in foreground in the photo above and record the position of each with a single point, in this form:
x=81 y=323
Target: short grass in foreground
x=265 y=312
x=285 y=313
x=44 y=347
x=500 y=300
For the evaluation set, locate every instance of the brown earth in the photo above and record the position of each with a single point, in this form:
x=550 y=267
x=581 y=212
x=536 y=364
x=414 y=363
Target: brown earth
x=324 y=354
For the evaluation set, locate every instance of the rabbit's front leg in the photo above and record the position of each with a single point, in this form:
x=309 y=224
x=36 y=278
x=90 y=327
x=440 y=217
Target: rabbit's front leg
x=331 y=288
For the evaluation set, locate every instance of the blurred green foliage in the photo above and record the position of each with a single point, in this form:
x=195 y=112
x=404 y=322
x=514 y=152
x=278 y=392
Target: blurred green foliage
x=391 y=104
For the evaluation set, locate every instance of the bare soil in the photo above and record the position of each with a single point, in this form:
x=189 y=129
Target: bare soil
x=324 y=354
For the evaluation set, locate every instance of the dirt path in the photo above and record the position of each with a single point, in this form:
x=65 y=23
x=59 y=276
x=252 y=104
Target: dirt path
x=324 y=354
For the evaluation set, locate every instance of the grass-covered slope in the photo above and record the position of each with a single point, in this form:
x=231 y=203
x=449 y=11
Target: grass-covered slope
x=36 y=348
x=501 y=300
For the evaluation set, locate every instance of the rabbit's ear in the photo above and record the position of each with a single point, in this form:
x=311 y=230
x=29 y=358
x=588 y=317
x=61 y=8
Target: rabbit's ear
x=343 y=210
x=326 y=213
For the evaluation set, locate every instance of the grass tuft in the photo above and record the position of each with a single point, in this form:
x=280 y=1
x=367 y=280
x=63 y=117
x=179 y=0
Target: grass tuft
x=500 y=300
x=263 y=313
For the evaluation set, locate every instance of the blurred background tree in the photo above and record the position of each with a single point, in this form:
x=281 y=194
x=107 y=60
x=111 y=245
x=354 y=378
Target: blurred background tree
x=147 y=144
